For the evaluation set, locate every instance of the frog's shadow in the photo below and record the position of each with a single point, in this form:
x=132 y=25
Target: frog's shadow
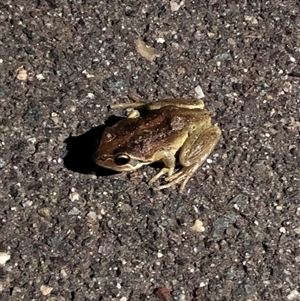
x=79 y=157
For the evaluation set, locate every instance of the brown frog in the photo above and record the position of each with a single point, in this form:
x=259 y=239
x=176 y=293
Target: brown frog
x=177 y=132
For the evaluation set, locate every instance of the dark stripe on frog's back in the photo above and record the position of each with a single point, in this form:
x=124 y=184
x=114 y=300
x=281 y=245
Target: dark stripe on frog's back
x=117 y=135
x=157 y=130
x=143 y=132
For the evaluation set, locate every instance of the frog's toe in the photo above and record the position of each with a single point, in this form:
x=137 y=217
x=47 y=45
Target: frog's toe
x=172 y=184
x=157 y=176
x=176 y=175
x=181 y=177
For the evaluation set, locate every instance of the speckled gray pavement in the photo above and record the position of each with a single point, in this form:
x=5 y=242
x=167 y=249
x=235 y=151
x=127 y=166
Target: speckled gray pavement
x=72 y=231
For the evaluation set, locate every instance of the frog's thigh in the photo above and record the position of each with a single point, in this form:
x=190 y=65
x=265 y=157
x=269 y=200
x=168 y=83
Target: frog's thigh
x=169 y=161
x=193 y=153
x=196 y=149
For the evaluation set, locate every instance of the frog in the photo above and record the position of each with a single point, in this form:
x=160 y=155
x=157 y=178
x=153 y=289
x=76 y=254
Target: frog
x=177 y=132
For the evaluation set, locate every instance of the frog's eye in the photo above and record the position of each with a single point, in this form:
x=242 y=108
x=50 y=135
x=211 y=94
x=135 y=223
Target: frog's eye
x=122 y=159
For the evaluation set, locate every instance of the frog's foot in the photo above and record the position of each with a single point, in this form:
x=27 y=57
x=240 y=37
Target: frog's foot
x=180 y=177
x=162 y=172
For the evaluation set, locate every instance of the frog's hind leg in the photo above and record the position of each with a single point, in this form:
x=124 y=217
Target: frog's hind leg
x=126 y=105
x=137 y=102
x=193 y=154
x=177 y=102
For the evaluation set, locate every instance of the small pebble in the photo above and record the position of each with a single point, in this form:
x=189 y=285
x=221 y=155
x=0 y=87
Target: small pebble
x=199 y=92
x=293 y=295
x=287 y=87
x=4 y=257
x=179 y=295
x=175 y=6
x=198 y=226
x=74 y=211
x=40 y=76
x=46 y=290
x=160 y=40
x=148 y=52
x=21 y=74
x=74 y=196
x=282 y=230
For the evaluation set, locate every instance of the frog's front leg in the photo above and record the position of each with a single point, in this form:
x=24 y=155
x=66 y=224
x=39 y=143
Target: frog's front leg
x=193 y=153
x=169 y=160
